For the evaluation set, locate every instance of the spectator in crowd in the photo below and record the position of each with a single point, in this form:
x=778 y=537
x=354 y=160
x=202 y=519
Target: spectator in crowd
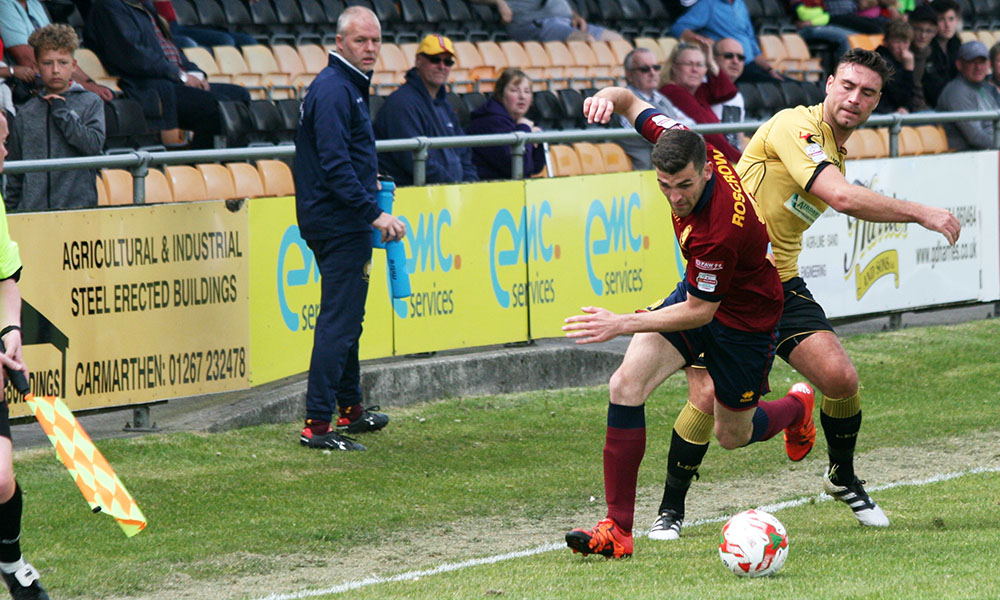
x=335 y=182
x=187 y=36
x=845 y=13
x=923 y=20
x=897 y=94
x=970 y=91
x=940 y=67
x=696 y=83
x=134 y=42
x=710 y=20
x=504 y=112
x=642 y=74
x=62 y=121
x=995 y=64
x=18 y=19
x=20 y=577
x=815 y=24
x=729 y=56
x=547 y=21
x=26 y=74
x=420 y=108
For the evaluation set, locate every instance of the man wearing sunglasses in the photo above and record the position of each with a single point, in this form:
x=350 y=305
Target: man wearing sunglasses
x=730 y=58
x=642 y=73
x=420 y=108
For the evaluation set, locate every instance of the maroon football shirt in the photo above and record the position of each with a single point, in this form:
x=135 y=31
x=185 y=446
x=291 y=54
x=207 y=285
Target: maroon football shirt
x=725 y=243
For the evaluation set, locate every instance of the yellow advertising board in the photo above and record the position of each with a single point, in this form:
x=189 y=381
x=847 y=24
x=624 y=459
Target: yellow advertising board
x=285 y=295
x=599 y=240
x=465 y=256
x=134 y=304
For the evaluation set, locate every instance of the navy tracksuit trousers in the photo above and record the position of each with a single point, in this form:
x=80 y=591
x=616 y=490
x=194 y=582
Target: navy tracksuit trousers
x=334 y=371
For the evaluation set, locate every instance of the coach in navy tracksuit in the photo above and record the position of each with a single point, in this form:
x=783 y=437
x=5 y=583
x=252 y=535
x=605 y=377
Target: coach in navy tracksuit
x=335 y=182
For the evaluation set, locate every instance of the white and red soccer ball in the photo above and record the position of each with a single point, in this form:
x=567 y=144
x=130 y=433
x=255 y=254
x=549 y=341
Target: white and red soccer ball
x=753 y=544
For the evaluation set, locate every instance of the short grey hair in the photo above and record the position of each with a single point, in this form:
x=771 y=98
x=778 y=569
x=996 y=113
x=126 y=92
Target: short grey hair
x=627 y=63
x=352 y=13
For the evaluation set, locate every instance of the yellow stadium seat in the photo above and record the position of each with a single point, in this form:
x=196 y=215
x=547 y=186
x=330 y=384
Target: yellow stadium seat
x=260 y=60
x=288 y=60
x=933 y=139
x=186 y=183
x=864 y=40
x=157 y=188
x=246 y=180
x=810 y=68
x=909 y=142
x=203 y=58
x=620 y=48
x=517 y=57
x=561 y=56
x=653 y=46
x=615 y=159
x=117 y=186
x=277 y=178
x=218 y=181
x=91 y=65
x=855 y=146
x=409 y=50
x=314 y=57
x=102 y=192
x=591 y=161
x=564 y=160
x=231 y=63
x=493 y=56
x=967 y=36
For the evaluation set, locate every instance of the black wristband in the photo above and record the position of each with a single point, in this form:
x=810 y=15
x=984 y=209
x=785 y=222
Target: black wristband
x=8 y=329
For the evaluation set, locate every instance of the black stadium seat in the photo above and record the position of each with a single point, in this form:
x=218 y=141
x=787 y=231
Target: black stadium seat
x=211 y=13
x=458 y=105
x=236 y=123
x=572 y=107
x=375 y=104
x=186 y=13
x=125 y=126
x=794 y=93
x=772 y=100
x=545 y=111
x=473 y=100
x=289 y=109
x=751 y=98
x=267 y=123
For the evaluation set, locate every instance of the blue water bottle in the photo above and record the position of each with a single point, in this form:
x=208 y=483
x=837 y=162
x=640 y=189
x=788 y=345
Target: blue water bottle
x=395 y=253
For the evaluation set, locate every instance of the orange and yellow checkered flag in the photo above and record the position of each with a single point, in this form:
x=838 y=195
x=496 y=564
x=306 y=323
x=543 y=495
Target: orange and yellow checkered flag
x=96 y=479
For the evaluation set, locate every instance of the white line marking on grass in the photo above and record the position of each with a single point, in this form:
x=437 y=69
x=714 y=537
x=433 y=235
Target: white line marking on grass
x=488 y=560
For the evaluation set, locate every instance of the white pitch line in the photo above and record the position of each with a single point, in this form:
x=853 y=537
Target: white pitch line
x=488 y=560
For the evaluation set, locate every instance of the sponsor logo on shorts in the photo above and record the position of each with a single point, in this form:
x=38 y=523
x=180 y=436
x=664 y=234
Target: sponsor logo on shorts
x=704 y=265
x=707 y=282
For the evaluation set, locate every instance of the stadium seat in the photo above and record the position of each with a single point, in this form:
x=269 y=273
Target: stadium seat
x=794 y=93
x=236 y=123
x=268 y=126
x=855 y=146
x=231 y=62
x=561 y=56
x=650 y=44
x=591 y=161
x=933 y=139
x=571 y=102
x=157 y=189
x=752 y=101
x=117 y=187
x=289 y=111
x=517 y=57
x=260 y=60
x=460 y=108
x=206 y=62
x=218 y=181
x=493 y=55
x=289 y=61
x=473 y=100
x=615 y=159
x=91 y=65
x=772 y=100
x=314 y=57
x=667 y=44
x=909 y=142
x=102 y=192
x=315 y=20
x=236 y=14
x=808 y=68
x=186 y=13
x=564 y=160
x=545 y=110
x=186 y=183
x=246 y=180
x=539 y=59
x=620 y=48
x=393 y=59
x=966 y=35
x=125 y=125
x=864 y=40
x=276 y=177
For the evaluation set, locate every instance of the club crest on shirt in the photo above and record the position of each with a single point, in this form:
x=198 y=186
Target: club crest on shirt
x=682 y=240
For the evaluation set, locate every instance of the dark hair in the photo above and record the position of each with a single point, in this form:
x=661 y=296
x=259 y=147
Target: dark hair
x=676 y=148
x=993 y=52
x=923 y=14
x=943 y=6
x=898 y=29
x=866 y=58
x=508 y=76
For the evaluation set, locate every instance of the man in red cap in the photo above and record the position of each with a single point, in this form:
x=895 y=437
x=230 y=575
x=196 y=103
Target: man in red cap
x=420 y=108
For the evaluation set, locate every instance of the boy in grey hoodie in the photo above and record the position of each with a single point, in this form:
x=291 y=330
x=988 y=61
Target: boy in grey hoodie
x=62 y=121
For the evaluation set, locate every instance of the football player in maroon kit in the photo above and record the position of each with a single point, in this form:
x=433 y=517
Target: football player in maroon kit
x=727 y=307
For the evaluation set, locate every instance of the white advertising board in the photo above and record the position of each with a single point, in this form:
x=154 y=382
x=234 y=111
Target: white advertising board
x=855 y=267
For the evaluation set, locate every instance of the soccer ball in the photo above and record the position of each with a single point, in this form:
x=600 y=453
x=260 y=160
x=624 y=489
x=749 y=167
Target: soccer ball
x=753 y=544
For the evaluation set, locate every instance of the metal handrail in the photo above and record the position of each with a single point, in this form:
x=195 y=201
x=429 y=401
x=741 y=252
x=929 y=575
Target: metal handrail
x=139 y=161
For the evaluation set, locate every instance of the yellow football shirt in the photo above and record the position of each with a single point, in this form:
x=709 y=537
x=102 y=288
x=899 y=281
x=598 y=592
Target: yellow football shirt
x=778 y=166
x=10 y=258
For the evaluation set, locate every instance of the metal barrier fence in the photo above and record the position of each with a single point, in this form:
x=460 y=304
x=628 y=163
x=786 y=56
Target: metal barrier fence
x=138 y=162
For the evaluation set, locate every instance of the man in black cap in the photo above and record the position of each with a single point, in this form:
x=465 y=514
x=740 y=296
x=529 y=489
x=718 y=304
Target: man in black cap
x=970 y=91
